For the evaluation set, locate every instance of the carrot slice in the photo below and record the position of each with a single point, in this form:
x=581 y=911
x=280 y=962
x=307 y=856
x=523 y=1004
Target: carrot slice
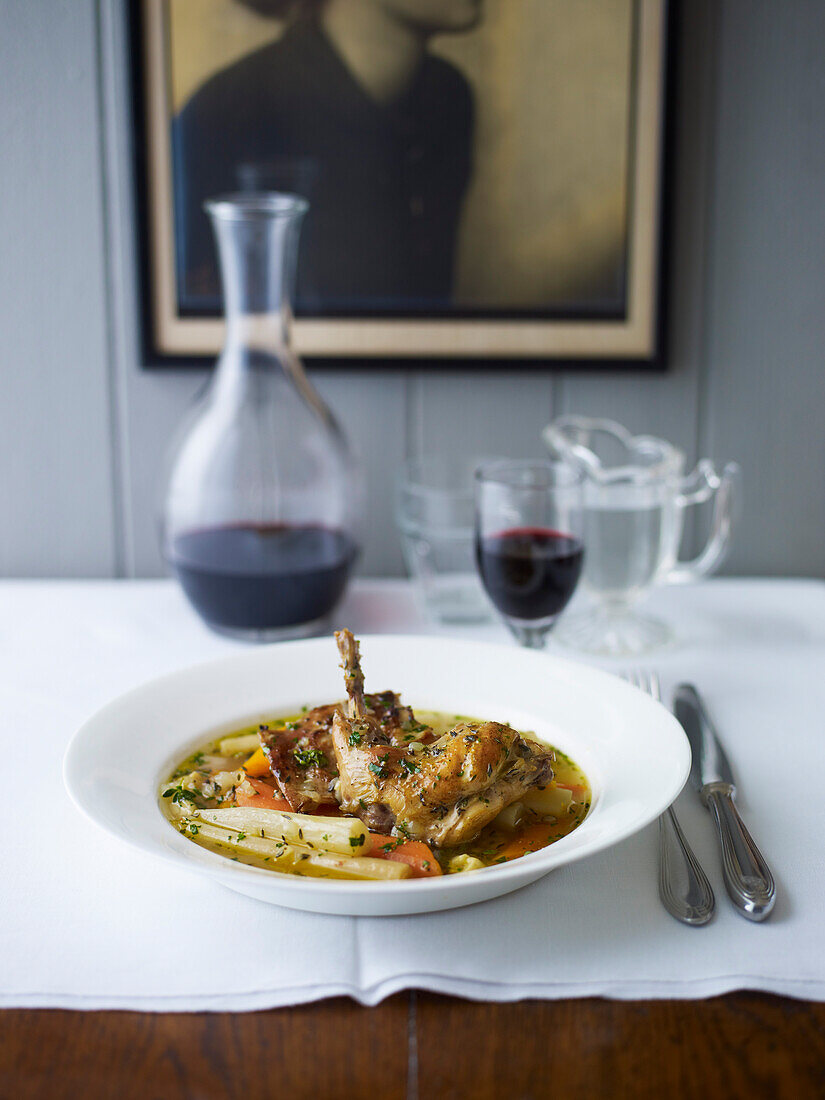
x=257 y=765
x=415 y=853
x=529 y=840
x=265 y=796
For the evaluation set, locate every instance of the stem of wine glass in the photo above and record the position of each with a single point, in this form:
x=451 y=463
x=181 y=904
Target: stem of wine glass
x=531 y=637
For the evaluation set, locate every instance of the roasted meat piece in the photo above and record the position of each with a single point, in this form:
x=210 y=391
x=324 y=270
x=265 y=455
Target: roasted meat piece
x=442 y=790
x=302 y=758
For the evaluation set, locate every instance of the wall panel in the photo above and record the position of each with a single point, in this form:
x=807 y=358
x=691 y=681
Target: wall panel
x=765 y=397
x=56 y=488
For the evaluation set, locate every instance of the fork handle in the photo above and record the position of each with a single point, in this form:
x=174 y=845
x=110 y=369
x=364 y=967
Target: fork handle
x=683 y=885
x=748 y=878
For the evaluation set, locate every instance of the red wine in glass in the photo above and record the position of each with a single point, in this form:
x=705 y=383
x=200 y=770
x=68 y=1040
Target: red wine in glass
x=530 y=573
x=261 y=577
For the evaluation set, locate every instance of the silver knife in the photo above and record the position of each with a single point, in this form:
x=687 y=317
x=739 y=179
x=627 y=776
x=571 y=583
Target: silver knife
x=748 y=878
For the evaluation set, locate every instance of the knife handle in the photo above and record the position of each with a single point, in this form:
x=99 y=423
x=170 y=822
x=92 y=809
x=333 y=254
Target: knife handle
x=747 y=876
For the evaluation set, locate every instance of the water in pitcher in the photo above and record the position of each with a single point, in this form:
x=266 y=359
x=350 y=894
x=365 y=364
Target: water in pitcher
x=627 y=543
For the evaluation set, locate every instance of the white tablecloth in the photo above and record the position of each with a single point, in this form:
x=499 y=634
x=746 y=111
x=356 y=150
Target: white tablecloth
x=88 y=923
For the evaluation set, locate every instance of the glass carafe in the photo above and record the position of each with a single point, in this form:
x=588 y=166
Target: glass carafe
x=263 y=496
x=636 y=494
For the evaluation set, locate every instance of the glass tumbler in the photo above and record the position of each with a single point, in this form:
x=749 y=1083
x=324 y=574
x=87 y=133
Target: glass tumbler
x=434 y=513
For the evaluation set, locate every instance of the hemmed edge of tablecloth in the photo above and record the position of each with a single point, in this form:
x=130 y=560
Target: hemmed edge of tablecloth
x=466 y=988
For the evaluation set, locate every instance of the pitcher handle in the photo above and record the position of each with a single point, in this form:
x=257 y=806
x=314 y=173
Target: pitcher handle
x=697 y=488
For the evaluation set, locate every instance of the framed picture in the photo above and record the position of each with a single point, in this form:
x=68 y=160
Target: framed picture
x=485 y=177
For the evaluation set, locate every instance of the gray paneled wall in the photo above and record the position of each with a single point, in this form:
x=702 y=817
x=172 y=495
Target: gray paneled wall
x=765 y=388
x=57 y=511
x=83 y=428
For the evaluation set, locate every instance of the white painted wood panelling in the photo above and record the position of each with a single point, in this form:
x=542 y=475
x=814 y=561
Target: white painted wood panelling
x=765 y=396
x=56 y=486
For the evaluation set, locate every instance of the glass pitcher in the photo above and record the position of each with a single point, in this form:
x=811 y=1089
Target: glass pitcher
x=263 y=495
x=636 y=496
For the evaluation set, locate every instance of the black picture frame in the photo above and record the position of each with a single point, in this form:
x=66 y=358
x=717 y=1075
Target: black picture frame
x=155 y=356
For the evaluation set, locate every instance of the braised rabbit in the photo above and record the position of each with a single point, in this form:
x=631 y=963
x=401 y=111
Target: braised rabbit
x=443 y=790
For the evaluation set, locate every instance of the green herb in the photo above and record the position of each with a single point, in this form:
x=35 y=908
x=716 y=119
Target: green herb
x=403 y=828
x=305 y=758
x=178 y=794
x=378 y=770
x=356 y=841
x=410 y=766
x=241 y=836
x=198 y=758
x=355 y=738
x=193 y=828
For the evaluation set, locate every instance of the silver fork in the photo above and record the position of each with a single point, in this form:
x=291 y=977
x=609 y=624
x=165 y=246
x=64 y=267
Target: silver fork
x=683 y=885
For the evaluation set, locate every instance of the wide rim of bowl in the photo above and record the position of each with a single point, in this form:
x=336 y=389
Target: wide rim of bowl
x=532 y=865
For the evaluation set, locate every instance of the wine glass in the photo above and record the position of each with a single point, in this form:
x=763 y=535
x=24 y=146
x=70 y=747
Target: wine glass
x=528 y=541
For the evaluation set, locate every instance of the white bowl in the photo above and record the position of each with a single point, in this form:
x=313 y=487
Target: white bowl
x=632 y=750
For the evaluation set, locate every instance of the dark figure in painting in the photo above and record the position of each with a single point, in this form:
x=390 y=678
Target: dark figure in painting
x=349 y=109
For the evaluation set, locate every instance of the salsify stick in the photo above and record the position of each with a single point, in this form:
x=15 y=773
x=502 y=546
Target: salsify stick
x=343 y=835
x=288 y=857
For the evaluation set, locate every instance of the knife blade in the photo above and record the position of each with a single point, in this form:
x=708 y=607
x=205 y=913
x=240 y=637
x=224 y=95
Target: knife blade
x=748 y=879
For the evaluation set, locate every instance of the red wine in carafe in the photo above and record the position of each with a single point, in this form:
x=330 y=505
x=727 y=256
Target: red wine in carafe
x=261 y=577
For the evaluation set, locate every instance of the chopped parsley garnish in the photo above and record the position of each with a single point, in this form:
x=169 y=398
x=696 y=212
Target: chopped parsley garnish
x=356 y=841
x=305 y=758
x=197 y=758
x=355 y=738
x=410 y=766
x=241 y=836
x=378 y=770
x=193 y=828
